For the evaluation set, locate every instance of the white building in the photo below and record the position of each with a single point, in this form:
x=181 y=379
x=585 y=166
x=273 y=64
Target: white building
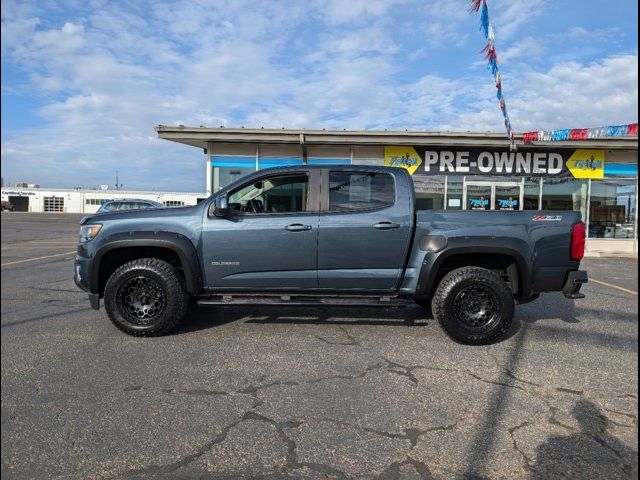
x=86 y=201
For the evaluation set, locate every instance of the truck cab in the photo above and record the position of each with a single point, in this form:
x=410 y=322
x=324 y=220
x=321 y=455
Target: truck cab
x=327 y=235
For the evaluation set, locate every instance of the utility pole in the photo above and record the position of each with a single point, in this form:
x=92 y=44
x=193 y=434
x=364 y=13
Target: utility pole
x=118 y=185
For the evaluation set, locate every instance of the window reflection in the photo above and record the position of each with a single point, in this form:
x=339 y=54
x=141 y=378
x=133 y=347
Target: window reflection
x=564 y=194
x=612 y=209
x=429 y=192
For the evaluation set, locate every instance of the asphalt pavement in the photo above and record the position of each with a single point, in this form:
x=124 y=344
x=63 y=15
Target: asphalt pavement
x=309 y=392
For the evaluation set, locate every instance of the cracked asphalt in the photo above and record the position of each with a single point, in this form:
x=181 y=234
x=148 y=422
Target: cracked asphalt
x=309 y=392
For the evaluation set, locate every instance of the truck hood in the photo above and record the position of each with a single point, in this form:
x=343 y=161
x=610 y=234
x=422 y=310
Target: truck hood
x=160 y=213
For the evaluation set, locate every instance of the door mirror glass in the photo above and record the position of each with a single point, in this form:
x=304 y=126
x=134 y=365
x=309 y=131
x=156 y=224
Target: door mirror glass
x=221 y=206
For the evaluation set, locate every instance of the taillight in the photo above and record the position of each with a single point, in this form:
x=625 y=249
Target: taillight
x=578 y=237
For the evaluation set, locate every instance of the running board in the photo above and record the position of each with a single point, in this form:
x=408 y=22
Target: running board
x=302 y=300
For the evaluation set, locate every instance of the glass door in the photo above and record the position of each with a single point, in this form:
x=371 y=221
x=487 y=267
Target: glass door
x=508 y=196
x=505 y=196
x=477 y=196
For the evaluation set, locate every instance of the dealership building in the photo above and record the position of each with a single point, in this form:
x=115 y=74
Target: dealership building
x=35 y=199
x=452 y=170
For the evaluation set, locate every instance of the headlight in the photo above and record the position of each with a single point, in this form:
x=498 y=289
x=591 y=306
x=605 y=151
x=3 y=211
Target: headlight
x=89 y=232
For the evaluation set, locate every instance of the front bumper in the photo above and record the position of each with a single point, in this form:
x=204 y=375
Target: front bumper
x=81 y=278
x=573 y=284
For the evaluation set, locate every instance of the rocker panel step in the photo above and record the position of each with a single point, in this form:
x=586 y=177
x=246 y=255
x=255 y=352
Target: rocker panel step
x=301 y=300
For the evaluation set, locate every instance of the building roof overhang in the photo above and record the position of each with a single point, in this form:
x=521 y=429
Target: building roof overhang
x=200 y=136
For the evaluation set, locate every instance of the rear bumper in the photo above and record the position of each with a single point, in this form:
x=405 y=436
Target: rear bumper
x=573 y=284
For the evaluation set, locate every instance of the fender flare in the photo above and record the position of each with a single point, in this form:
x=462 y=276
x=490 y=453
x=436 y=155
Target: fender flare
x=177 y=243
x=432 y=263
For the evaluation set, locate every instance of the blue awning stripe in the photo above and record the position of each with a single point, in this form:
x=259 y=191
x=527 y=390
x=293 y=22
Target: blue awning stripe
x=621 y=169
x=328 y=161
x=224 y=161
x=268 y=162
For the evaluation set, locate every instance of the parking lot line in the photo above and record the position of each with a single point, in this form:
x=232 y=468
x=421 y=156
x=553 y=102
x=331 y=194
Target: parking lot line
x=613 y=286
x=37 y=258
x=41 y=247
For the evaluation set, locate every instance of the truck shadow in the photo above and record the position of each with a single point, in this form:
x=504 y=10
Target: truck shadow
x=200 y=318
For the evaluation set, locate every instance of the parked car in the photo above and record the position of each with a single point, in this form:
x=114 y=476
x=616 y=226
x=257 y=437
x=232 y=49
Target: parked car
x=7 y=206
x=127 y=204
x=344 y=235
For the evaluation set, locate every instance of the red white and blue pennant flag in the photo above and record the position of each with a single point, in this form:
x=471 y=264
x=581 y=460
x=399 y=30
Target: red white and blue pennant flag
x=492 y=58
x=628 y=130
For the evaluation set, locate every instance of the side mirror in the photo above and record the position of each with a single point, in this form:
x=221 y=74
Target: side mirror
x=221 y=207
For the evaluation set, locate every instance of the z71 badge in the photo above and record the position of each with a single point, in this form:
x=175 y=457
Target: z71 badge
x=547 y=218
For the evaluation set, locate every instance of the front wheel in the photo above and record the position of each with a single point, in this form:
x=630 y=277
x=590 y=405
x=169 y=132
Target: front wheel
x=146 y=297
x=473 y=305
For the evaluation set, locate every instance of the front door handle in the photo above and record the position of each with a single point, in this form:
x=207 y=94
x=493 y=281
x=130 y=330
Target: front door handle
x=298 y=227
x=386 y=225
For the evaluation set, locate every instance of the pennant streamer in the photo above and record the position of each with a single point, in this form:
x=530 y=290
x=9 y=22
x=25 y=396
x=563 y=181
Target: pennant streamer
x=492 y=62
x=581 y=133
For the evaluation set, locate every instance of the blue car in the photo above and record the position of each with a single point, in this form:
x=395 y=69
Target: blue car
x=127 y=204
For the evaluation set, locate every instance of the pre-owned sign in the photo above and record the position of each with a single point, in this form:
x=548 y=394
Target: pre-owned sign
x=529 y=162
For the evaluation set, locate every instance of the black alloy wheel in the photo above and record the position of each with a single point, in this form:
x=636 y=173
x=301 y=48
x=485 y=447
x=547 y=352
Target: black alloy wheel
x=142 y=299
x=473 y=305
x=146 y=297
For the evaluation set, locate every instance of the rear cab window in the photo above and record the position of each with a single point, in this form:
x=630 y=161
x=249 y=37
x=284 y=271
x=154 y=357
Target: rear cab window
x=358 y=191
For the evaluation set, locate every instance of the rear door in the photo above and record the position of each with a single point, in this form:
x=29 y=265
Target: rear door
x=366 y=222
x=269 y=239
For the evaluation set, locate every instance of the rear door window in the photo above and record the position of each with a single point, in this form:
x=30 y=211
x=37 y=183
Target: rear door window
x=352 y=191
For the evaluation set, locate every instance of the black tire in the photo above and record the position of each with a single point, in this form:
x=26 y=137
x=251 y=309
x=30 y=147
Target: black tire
x=473 y=305
x=146 y=297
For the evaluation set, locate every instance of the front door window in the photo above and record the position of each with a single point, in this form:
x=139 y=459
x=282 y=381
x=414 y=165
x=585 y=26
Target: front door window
x=279 y=194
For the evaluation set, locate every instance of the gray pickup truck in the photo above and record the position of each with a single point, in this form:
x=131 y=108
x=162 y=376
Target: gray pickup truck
x=327 y=235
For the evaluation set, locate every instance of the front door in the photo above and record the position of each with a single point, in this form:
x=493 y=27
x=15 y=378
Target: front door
x=481 y=195
x=269 y=239
x=365 y=227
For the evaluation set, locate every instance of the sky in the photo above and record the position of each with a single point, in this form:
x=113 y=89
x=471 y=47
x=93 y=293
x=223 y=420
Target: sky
x=85 y=81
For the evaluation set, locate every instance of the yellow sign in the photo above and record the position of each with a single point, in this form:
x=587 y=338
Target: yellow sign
x=586 y=164
x=402 y=157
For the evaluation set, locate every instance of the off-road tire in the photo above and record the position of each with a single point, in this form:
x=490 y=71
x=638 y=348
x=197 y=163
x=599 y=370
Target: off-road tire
x=164 y=282
x=449 y=305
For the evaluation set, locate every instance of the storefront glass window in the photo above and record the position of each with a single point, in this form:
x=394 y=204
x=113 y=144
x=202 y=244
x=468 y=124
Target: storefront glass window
x=454 y=193
x=531 y=194
x=564 y=194
x=429 y=192
x=612 y=209
x=228 y=169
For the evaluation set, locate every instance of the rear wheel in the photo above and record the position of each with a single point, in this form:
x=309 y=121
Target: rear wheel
x=473 y=305
x=146 y=297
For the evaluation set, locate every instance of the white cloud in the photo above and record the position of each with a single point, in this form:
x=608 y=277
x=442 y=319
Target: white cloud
x=568 y=95
x=108 y=73
x=507 y=16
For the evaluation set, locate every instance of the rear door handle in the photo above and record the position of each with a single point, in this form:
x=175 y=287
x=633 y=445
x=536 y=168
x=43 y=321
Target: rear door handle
x=386 y=225
x=298 y=227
